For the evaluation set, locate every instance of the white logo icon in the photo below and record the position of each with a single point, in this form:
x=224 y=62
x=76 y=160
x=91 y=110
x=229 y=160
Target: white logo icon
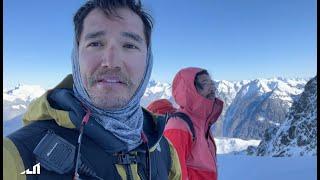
x=35 y=170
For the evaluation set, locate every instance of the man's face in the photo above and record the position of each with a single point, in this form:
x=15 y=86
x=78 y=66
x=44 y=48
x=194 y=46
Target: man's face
x=208 y=89
x=112 y=57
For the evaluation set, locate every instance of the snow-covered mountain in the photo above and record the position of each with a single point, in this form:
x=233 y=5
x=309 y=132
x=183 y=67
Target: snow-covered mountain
x=156 y=90
x=16 y=101
x=297 y=136
x=259 y=105
x=233 y=145
x=226 y=91
x=276 y=94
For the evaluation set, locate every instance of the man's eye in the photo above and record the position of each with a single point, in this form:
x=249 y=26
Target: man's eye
x=211 y=83
x=95 y=44
x=130 y=46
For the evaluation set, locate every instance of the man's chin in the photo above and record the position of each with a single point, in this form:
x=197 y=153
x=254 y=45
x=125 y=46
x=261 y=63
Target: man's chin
x=113 y=98
x=211 y=97
x=110 y=103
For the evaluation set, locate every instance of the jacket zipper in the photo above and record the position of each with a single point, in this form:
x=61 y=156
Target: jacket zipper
x=207 y=131
x=208 y=138
x=140 y=175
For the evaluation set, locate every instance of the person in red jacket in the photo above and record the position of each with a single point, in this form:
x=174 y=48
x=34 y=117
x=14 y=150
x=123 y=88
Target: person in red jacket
x=194 y=91
x=161 y=106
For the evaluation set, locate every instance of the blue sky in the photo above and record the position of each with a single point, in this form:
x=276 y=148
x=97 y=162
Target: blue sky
x=233 y=39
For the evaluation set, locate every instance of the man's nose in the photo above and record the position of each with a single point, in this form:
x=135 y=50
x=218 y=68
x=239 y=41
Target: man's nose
x=110 y=57
x=212 y=86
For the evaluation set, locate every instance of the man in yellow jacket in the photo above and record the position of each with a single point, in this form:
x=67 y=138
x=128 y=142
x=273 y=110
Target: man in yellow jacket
x=91 y=126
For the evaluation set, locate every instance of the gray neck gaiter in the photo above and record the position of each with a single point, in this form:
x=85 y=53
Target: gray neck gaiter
x=125 y=123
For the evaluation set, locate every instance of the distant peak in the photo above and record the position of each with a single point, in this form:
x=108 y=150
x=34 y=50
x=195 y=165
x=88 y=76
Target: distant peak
x=19 y=85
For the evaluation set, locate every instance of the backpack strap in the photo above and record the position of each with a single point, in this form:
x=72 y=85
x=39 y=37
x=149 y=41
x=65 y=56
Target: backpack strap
x=164 y=143
x=186 y=119
x=168 y=155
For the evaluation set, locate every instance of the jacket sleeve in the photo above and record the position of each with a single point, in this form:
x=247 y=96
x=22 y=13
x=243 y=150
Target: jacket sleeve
x=182 y=141
x=12 y=162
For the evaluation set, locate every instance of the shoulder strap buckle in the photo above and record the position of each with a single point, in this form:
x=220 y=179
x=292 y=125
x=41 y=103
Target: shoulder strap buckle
x=127 y=158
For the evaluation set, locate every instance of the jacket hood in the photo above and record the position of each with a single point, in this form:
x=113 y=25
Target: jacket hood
x=161 y=106
x=202 y=110
x=40 y=109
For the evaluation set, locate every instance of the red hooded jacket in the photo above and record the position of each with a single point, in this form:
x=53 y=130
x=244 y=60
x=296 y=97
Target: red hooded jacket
x=198 y=157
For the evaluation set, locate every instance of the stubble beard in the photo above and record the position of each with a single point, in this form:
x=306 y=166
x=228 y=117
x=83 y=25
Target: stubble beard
x=111 y=99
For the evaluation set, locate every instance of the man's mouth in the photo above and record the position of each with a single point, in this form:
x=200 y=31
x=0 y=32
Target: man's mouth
x=112 y=80
x=211 y=95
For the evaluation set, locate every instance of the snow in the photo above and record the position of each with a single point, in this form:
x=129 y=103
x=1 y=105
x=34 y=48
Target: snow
x=16 y=101
x=271 y=122
x=284 y=87
x=158 y=87
x=225 y=86
x=279 y=85
x=242 y=167
x=260 y=118
x=263 y=86
x=297 y=134
x=292 y=149
x=20 y=106
x=23 y=92
x=297 y=81
x=155 y=89
x=229 y=145
x=275 y=88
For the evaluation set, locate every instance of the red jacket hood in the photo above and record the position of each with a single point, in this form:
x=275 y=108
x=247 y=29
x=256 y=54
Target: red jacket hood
x=202 y=110
x=161 y=106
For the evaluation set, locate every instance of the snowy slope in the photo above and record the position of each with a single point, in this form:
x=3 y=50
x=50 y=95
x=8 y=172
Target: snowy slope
x=241 y=167
x=16 y=101
x=297 y=136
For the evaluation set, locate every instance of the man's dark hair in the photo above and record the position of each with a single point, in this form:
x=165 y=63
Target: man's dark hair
x=109 y=7
x=196 y=79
